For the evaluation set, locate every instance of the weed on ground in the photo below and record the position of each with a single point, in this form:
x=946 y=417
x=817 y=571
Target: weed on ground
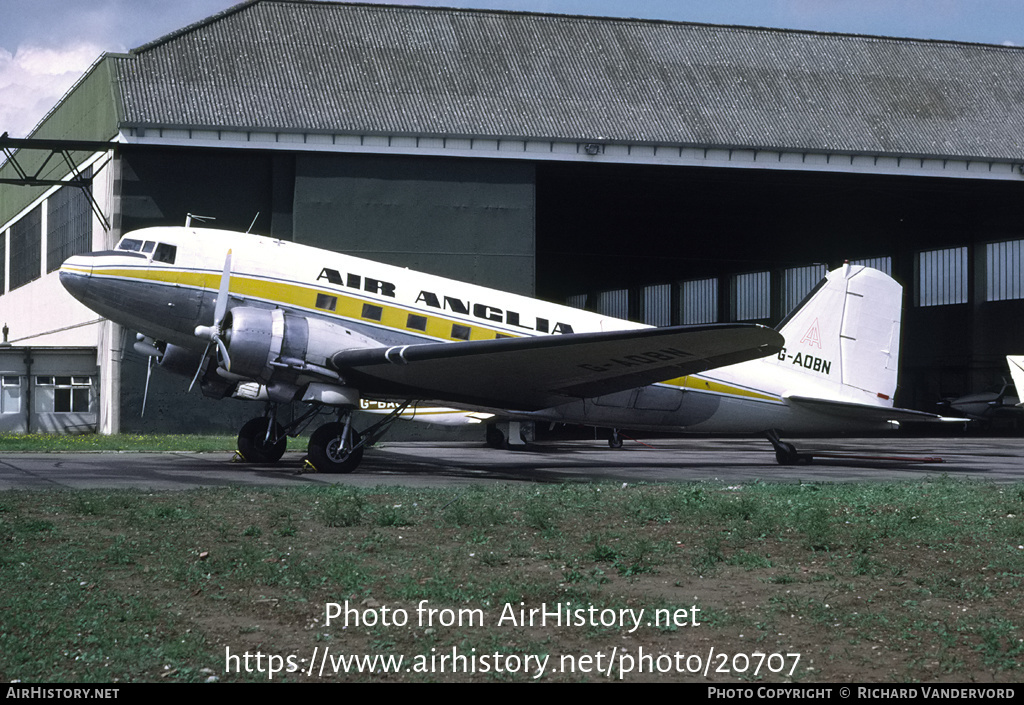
x=693 y=582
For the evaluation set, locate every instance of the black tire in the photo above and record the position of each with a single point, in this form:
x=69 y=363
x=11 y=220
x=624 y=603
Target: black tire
x=615 y=441
x=325 y=452
x=253 y=445
x=787 y=454
x=494 y=437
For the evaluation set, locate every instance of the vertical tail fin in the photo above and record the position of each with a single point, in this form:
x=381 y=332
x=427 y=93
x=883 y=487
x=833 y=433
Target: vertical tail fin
x=844 y=338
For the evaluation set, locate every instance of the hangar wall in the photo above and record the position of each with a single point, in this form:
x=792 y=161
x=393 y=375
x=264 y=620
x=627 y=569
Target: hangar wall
x=607 y=227
x=471 y=220
x=467 y=219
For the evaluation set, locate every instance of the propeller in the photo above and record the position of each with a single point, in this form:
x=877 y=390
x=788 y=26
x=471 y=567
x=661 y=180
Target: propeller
x=145 y=345
x=213 y=333
x=145 y=392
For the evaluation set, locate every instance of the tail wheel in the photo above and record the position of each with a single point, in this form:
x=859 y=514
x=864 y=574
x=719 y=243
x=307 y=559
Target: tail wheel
x=256 y=446
x=329 y=452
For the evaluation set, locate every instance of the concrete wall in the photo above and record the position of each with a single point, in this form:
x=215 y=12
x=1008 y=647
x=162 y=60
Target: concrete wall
x=48 y=390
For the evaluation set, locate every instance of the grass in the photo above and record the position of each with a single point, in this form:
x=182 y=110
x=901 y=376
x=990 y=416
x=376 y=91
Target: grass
x=878 y=582
x=46 y=442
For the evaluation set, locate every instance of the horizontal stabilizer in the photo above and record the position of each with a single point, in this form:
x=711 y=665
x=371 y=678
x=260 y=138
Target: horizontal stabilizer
x=867 y=412
x=1016 y=363
x=533 y=373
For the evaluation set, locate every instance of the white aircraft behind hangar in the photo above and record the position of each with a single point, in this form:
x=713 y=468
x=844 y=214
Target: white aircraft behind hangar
x=277 y=322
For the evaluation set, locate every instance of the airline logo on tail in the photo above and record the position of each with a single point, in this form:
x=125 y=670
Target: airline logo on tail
x=812 y=336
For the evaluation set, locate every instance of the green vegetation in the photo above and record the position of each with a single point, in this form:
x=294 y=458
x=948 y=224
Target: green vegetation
x=46 y=442
x=875 y=582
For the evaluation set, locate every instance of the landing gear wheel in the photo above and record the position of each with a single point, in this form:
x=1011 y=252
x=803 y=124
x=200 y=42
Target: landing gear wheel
x=329 y=453
x=786 y=454
x=494 y=437
x=256 y=447
x=615 y=440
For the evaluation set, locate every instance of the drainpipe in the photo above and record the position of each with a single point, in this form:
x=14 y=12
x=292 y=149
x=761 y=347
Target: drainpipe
x=28 y=390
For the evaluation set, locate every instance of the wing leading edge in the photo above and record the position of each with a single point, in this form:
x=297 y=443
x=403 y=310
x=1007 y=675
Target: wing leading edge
x=528 y=374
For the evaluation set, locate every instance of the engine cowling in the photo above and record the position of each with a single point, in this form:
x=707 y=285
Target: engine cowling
x=184 y=362
x=262 y=342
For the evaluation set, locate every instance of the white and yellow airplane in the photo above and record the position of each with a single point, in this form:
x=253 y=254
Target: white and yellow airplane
x=264 y=319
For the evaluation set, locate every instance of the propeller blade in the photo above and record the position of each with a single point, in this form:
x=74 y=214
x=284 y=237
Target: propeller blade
x=224 y=357
x=201 y=361
x=219 y=312
x=222 y=294
x=145 y=392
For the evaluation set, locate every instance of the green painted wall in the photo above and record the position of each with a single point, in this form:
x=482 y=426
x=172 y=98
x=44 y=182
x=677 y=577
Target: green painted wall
x=471 y=220
x=88 y=112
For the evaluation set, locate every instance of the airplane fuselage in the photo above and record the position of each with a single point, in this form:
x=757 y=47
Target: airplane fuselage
x=168 y=286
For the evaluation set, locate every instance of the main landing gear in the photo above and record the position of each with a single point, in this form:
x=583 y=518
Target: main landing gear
x=335 y=447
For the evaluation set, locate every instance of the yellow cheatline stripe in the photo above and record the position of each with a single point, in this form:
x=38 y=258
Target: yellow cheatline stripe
x=703 y=384
x=305 y=297
x=350 y=307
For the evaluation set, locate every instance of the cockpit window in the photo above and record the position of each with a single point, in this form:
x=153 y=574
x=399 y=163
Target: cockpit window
x=158 y=251
x=165 y=253
x=130 y=244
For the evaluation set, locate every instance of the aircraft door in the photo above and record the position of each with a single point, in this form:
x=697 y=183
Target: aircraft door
x=186 y=292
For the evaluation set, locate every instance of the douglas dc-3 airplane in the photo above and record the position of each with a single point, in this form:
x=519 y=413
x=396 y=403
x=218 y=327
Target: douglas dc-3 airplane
x=268 y=320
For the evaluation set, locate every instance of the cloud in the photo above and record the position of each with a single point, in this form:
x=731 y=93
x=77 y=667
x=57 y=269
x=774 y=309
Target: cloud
x=33 y=79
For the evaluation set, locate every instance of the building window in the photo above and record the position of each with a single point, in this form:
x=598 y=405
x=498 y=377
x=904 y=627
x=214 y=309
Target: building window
x=752 y=296
x=658 y=305
x=68 y=224
x=26 y=246
x=577 y=301
x=698 y=301
x=10 y=394
x=942 y=277
x=882 y=264
x=614 y=303
x=798 y=282
x=1004 y=270
x=63 y=394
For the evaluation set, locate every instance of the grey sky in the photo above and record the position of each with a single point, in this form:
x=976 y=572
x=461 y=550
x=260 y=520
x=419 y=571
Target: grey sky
x=45 y=45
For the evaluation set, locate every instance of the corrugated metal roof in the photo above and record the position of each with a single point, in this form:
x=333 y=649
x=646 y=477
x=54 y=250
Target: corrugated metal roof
x=371 y=69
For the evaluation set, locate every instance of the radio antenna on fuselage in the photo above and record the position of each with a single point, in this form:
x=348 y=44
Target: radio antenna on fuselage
x=190 y=216
x=247 y=232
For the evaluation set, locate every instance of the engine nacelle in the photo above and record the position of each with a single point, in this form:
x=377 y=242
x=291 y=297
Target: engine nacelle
x=185 y=362
x=179 y=360
x=262 y=341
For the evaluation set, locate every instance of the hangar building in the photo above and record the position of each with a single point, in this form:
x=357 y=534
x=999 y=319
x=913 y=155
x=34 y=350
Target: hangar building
x=662 y=171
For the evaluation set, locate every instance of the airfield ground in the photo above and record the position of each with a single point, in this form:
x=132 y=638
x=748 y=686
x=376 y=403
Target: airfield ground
x=914 y=575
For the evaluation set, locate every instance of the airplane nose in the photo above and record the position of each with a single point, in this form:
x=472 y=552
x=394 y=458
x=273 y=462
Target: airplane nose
x=75 y=274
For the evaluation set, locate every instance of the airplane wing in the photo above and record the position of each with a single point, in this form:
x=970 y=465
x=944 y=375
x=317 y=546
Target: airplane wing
x=868 y=412
x=531 y=373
